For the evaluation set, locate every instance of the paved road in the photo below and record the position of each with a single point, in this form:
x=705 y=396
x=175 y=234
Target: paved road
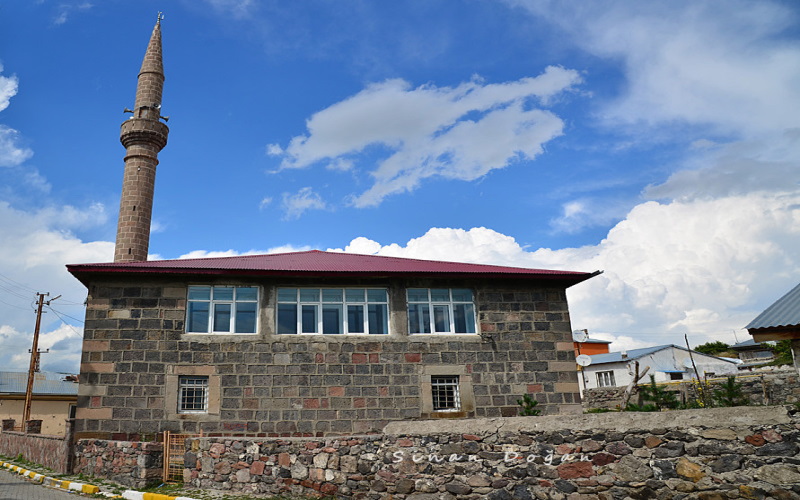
x=15 y=487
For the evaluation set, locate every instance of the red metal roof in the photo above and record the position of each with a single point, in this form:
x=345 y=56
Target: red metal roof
x=318 y=263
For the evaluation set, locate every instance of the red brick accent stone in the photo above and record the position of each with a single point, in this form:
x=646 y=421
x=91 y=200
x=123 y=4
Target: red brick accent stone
x=329 y=488
x=257 y=468
x=652 y=441
x=575 y=469
x=413 y=357
x=603 y=459
x=756 y=440
x=359 y=358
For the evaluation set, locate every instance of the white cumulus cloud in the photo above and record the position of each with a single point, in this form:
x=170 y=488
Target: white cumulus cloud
x=294 y=205
x=702 y=267
x=461 y=132
x=34 y=250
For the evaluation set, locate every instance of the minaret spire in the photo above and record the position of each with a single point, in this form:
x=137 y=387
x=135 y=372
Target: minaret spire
x=143 y=136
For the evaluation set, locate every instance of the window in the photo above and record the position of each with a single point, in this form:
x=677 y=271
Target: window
x=444 y=390
x=440 y=310
x=193 y=394
x=333 y=311
x=676 y=375
x=222 y=309
x=605 y=379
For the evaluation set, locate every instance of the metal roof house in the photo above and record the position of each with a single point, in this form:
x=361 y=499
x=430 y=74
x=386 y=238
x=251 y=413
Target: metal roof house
x=780 y=321
x=753 y=353
x=667 y=363
x=54 y=398
x=318 y=343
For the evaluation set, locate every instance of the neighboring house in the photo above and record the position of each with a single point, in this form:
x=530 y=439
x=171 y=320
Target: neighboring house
x=753 y=353
x=584 y=344
x=318 y=343
x=667 y=363
x=53 y=402
x=780 y=321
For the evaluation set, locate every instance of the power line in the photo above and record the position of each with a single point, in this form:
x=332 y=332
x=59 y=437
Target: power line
x=6 y=278
x=14 y=306
x=61 y=313
x=15 y=293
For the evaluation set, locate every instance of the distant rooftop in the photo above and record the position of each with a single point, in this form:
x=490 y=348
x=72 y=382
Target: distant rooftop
x=750 y=343
x=784 y=312
x=44 y=383
x=593 y=341
x=633 y=354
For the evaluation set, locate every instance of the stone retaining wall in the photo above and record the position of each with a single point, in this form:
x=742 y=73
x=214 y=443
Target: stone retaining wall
x=761 y=388
x=710 y=454
x=50 y=451
x=132 y=463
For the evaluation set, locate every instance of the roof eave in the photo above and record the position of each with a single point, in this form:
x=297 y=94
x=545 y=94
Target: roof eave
x=85 y=272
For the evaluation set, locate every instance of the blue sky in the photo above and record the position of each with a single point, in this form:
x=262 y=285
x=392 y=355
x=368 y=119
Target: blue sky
x=656 y=141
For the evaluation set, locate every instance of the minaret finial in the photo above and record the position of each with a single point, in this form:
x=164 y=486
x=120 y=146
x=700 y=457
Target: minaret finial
x=160 y=17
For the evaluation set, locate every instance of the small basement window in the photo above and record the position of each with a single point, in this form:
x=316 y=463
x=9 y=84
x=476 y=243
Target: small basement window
x=445 y=393
x=192 y=394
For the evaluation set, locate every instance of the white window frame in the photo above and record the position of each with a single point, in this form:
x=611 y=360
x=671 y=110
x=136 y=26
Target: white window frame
x=436 y=306
x=444 y=388
x=316 y=306
x=212 y=303
x=606 y=379
x=192 y=403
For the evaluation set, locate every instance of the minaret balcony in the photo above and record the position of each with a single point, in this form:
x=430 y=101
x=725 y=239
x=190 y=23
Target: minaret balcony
x=138 y=131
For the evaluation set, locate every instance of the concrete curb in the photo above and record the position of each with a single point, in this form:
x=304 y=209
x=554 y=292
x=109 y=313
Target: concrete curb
x=52 y=482
x=138 y=495
x=86 y=488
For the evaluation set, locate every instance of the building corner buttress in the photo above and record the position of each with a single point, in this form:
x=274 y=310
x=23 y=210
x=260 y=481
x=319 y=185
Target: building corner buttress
x=143 y=135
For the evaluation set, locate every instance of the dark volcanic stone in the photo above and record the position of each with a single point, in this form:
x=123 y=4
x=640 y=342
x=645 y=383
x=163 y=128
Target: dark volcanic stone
x=726 y=463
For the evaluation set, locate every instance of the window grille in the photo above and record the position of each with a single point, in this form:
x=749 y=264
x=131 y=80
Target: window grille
x=193 y=394
x=445 y=392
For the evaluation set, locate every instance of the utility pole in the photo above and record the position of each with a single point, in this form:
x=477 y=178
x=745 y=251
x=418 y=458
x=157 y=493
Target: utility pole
x=26 y=415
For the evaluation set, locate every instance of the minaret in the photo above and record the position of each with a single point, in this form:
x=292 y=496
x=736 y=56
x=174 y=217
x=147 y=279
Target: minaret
x=143 y=136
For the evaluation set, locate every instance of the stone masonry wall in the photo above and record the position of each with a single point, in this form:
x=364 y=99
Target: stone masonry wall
x=134 y=464
x=50 y=451
x=692 y=454
x=761 y=388
x=292 y=385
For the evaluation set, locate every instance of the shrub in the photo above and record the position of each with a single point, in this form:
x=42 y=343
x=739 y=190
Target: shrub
x=661 y=398
x=730 y=394
x=528 y=406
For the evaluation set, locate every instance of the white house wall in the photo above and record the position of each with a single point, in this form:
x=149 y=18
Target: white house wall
x=666 y=359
